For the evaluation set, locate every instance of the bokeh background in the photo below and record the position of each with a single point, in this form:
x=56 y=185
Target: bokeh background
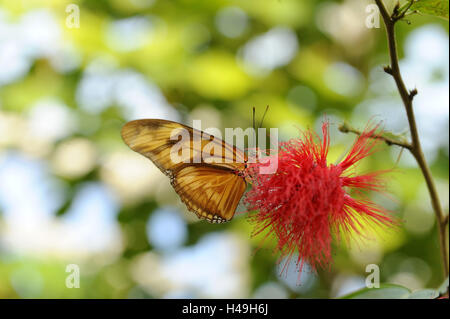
x=71 y=192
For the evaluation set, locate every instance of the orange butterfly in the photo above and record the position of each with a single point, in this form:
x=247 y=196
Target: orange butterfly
x=210 y=187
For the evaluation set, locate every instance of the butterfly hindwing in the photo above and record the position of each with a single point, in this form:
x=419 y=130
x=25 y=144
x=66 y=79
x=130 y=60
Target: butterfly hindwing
x=212 y=193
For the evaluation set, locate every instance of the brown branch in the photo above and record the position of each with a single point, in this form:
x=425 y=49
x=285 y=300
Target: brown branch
x=416 y=148
x=389 y=141
x=400 y=12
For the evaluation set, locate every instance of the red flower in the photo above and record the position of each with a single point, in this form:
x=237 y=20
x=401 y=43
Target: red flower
x=307 y=203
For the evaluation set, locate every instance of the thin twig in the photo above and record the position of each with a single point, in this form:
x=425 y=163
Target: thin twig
x=399 y=13
x=416 y=148
x=389 y=141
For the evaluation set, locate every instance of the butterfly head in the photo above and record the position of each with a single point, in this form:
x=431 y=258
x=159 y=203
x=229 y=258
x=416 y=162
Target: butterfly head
x=247 y=173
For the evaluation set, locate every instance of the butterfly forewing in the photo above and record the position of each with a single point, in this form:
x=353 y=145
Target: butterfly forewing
x=206 y=177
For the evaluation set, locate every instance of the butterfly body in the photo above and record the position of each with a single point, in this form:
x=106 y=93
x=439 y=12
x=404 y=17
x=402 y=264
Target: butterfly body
x=209 y=179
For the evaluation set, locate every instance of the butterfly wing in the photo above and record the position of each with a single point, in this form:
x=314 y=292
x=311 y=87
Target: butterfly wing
x=212 y=190
x=213 y=193
x=154 y=139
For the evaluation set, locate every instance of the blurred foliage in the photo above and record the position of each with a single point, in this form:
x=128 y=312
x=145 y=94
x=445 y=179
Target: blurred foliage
x=433 y=7
x=65 y=93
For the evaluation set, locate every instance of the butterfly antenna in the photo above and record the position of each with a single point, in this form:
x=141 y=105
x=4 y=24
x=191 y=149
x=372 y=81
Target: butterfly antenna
x=254 y=118
x=254 y=127
x=264 y=115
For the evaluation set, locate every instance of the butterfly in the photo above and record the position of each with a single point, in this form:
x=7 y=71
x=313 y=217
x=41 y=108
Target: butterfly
x=210 y=187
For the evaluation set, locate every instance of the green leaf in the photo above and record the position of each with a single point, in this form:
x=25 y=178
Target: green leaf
x=424 y=294
x=386 y=291
x=438 y=8
x=443 y=287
